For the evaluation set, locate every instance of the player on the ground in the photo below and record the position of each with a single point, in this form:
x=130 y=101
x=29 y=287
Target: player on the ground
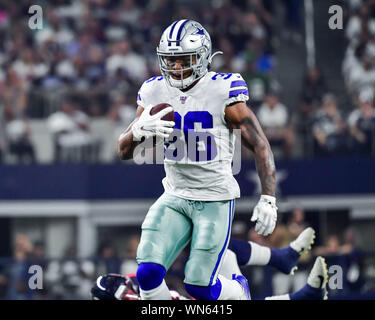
x=117 y=287
x=200 y=190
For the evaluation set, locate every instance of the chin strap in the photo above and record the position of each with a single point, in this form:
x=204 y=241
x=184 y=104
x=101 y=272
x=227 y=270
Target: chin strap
x=177 y=83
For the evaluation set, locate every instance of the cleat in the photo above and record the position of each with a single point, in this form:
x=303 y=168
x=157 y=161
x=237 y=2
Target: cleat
x=315 y=289
x=304 y=241
x=318 y=277
x=244 y=284
x=285 y=259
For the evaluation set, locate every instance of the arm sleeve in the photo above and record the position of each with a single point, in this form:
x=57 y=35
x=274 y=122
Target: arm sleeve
x=236 y=90
x=146 y=93
x=142 y=96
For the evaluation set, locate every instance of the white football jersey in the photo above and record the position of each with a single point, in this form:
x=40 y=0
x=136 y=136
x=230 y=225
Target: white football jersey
x=198 y=157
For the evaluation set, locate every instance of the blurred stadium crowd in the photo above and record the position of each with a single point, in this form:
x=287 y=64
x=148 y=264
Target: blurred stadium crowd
x=88 y=62
x=70 y=277
x=91 y=57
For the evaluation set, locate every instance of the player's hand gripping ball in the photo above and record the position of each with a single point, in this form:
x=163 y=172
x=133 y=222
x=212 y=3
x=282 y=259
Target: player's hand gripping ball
x=265 y=215
x=157 y=121
x=161 y=106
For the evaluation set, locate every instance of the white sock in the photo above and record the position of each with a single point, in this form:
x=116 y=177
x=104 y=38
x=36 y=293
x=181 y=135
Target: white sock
x=260 y=256
x=229 y=265
x=159 y=293
x=230 y=289
x=282 y=297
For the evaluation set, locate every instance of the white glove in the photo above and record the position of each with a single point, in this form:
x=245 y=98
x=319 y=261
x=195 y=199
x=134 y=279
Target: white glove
x=151 y=125
x=265 y=215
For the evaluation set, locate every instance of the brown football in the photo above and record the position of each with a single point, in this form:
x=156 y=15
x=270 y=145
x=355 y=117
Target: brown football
x=168 y=117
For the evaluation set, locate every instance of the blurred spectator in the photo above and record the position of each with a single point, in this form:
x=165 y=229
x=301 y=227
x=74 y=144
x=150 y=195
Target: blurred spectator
x=274 y=118
x=329 y=129
x=19 y=143
x=255 y=29
x=354 y=261
x=70 y=275
x=129 y=264
x=293 y=10
x=359 y=73
x=16 y=134
x=122 y=57
x=54 y=30
x=30 y=67
x=88 y=276
x=297 y=222
x=17 y=273
x=362 y=124
x=71 y=129
x=95 y=68
x=121 y=114
x=18 y=277
x=352 y=61
x=332 y=247
x=362 y=75
x=258 y=82
x=360 y=25
x=37 y=255
x=264 y=10
x=53 y=280
x=313 y=89
x=312 y=92
x=13 y=95
x=349 y=257
x=108 y=261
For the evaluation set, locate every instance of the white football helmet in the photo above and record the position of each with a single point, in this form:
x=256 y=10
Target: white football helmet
x=185 y=38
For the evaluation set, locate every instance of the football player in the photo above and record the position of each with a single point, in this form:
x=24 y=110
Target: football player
x=117 y=287
x=200 y=190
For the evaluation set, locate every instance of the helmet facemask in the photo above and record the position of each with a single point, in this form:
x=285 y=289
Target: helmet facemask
x=191 y=62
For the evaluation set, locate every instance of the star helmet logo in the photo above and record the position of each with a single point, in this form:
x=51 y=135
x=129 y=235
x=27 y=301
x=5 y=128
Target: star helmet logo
x=200 y=31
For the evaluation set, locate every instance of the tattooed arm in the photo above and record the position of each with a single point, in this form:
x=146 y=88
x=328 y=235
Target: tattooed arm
x=239 y=116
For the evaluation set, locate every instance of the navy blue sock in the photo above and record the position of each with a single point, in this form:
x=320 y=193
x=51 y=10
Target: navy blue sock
x=283 y=259
x=242 y=249
x=307 y=293
x=204 y=293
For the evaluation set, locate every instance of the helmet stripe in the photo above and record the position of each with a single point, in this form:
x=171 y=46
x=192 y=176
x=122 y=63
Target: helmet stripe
x=171 y=33
x=180 y=31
